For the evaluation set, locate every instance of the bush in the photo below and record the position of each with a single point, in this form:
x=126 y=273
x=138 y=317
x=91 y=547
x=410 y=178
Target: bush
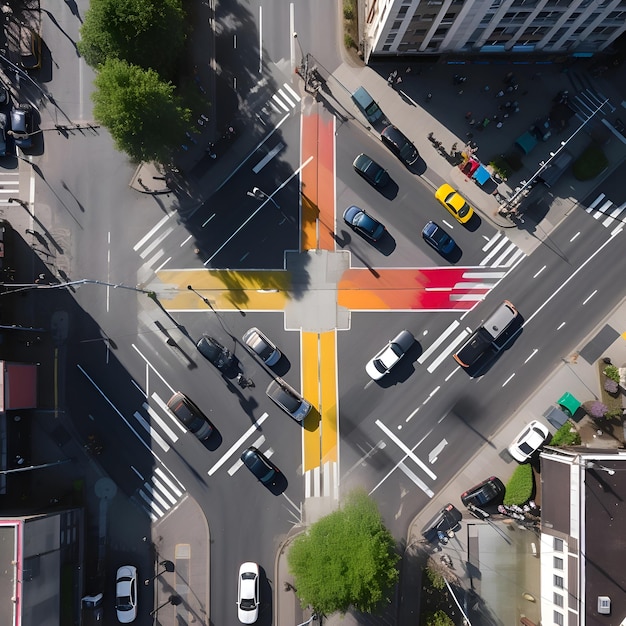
x=612 y=372
x=514 y=161
x=501 y=167
x=590 y=163
x=598 y=409
x=435 y=579
x=439 y=618
x=348 y=41
x=348 y=10
x=520 y=487
x=565 y=436
x=611 y=386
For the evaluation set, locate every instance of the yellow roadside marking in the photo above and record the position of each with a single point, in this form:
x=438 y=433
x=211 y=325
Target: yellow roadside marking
x=310 y=390
x=328 y=384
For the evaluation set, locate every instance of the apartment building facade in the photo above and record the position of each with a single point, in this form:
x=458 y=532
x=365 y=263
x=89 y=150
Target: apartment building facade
x=484 y=27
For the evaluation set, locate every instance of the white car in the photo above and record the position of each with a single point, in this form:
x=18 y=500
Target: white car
x=260 y=345
x=382 y=363
x=126 y=594
x=248 y=593
x=529 y=441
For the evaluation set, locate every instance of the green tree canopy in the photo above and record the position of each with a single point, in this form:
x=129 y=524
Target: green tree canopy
x=346 y=559
x=140 y=110
x=147 y=33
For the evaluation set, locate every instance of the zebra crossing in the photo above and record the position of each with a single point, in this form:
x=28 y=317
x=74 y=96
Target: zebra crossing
x=159 y=494
x=150 y=249
x=500 y=251
x=9 y=186
x=613 y=215
x=283 y=101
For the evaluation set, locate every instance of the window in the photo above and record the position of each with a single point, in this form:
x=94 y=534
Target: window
x=558 y=599
x=558 y=581
x=558 y=563
x=558 y=618
x=402 y=11
x=558 y=545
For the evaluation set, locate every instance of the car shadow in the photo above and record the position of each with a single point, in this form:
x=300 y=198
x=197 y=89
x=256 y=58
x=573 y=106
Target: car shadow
x=473 y=224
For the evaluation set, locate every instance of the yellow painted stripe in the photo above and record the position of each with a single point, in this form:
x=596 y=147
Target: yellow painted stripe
x=263 y=290
x=328 y=384
x=310 y=390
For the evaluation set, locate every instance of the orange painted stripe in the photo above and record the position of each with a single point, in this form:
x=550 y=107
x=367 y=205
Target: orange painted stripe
x=328 y=385
x=326 y=181
x=310 y=211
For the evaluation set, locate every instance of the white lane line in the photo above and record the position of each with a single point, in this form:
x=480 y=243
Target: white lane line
x=157 y=418
x=170 y=483
x=154 y=369
x=431 y=394
x=591 y=295
x=261 y=39
x=147 y=236
x=451 y=374
x=508 y=380
x=405 y=449
x=539 y=272
x=565 y=282
x=293 y=175
x=188 y=238
x=238 y=463
x=532 y=354
x=436 y=451
x=449 y=349
x=158 y=269
x=154 y=435
x=137 y=472
x=492 y=241
x=617 y=230
x=155 y=396
x=440 y=340
x=560 y=325
x=574 y=237
x=238 y=443
x=210 y=218
x=420 y=483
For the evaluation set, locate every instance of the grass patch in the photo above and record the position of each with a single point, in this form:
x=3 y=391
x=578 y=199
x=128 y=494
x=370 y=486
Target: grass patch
x=350 y=25
x=590 y=163
x=566 y=436
x=520 y=487
x=612 y=400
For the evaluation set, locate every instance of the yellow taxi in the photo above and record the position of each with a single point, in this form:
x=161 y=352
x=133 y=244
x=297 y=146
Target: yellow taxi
x=455 y=203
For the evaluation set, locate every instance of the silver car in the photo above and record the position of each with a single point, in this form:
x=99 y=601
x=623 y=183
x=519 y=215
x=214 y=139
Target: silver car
x=258 y=343
x=389 y=356
x=288 y=399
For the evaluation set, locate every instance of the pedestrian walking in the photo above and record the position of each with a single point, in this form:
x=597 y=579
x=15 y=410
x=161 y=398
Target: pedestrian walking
x=408 y=70
x=390 y=80
x=500 y=94
x=398 y=80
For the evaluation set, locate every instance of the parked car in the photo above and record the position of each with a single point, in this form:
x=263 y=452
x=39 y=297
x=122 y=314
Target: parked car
x=491 y=490
x=126 y=594
x=190 y=416
x=264 y=470
x=22 y=125
x=288 y=399
x=370 y=170
x=248 y=593
x=258 y=343
x=438 y=238
x=3 y=134
x=363 y=223
x=445 y=520
x=212 y=350
x=529 y=441
x=389 y=356
x=398 y=143
x=454 y=203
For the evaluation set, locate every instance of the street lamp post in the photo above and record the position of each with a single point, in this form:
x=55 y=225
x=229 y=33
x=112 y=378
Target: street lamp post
x=259 y=194
x=72 y=283
x=168 y=566
x=304 y=64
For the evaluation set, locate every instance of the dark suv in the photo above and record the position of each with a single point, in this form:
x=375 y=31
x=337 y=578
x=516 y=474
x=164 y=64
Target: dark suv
x=397 y=142
x=190 y=415
x=212 y=350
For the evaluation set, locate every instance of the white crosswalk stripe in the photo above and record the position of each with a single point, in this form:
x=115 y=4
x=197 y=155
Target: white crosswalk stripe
x=607 y=212
x=150 y=246
x=283 y=101
x=500 y=251
x=9 y=187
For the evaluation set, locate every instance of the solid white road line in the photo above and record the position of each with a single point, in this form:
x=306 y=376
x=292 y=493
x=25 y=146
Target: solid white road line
x=148 y=364
x=420 y=483
x=147 y=236
x=405 y=449
x=237 y=443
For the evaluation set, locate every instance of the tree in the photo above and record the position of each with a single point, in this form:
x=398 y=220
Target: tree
x=346 y=559
x=147 y=33
x=439 y=618
x=140 y=110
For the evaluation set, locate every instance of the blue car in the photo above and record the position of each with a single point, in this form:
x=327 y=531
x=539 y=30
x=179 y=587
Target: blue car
x=363 y=223
x=438 y=238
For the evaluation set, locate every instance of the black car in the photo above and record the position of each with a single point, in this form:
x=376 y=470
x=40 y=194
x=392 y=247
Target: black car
x=364 y=224
x=190 y=415
x=488 y=492
x=259 y=465
x=447 y=519
x=397 y=142
x=437 y=237
x=370 y=170
x=22 y=125
x=212 y=350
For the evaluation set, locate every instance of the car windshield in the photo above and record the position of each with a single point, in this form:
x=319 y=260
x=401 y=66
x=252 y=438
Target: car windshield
x=407 y=151
x=525 y=448
x=365 y=222
x=464 y=210
x=391 y=355
x=288 y=400
x=263 y=349
x=124 y=603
